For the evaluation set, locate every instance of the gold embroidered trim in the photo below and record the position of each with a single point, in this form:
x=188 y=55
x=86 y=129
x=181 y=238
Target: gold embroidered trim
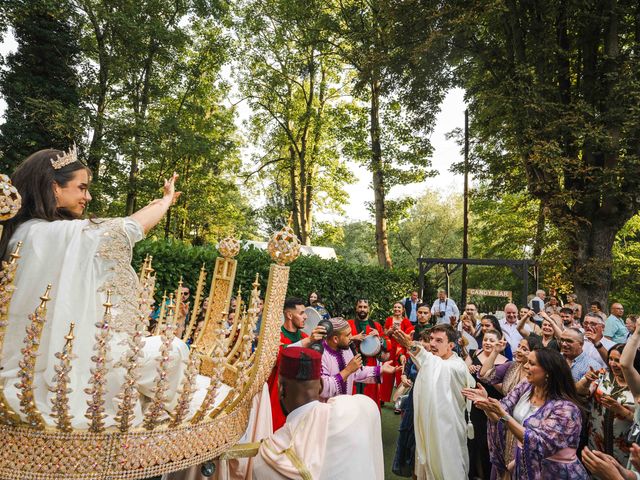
x=116 y=250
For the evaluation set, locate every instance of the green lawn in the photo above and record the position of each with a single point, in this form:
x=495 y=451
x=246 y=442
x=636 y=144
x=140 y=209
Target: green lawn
x=390 y=424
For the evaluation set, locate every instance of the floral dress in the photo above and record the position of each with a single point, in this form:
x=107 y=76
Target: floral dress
x=551 y=430
x=607 y=431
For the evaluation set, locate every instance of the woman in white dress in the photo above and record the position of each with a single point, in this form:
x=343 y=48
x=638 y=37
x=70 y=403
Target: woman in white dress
x=81 y=259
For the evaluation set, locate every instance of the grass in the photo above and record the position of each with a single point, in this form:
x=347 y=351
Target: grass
x=390 y=424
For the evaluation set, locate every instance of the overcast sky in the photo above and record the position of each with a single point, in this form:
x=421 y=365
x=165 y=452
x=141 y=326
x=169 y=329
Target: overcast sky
x=446 y=152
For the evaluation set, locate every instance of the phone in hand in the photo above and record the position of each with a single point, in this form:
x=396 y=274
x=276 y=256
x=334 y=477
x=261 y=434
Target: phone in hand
x=535 y=306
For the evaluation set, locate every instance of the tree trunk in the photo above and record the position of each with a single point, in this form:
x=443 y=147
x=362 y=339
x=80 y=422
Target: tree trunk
x=96 y=148
x=382 y=239
x=295 y=211
x=592 y=263
x=141 y=115
x=538 y=241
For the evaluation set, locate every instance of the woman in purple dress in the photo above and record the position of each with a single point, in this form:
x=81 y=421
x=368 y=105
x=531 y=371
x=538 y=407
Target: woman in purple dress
x=544 y=417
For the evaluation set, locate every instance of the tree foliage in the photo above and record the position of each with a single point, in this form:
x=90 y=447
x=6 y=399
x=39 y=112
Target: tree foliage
x=39 y=83
x=339 y=283
x=399 y=148
x=297 y=91
x=554 y=95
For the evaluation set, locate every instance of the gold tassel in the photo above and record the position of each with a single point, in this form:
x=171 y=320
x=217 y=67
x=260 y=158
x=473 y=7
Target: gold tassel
x=60 y=401
x=7 y=277
x=28 y=363
x=95 y=413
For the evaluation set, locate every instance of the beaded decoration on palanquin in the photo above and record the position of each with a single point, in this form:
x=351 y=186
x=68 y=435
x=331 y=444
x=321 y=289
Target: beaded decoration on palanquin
x=168 y=439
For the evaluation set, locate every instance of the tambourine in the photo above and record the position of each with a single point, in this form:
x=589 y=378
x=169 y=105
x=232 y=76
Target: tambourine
x=313 y=319
x=371 y=346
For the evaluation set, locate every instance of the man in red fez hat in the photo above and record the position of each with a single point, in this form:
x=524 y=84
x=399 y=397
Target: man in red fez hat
x=338 y=439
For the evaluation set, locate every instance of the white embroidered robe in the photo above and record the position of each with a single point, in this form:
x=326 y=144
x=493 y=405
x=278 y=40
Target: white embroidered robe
x=439 y=420
x=82 y=259
x=337 y=440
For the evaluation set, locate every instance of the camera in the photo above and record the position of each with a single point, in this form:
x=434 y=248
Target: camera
x=441 y=314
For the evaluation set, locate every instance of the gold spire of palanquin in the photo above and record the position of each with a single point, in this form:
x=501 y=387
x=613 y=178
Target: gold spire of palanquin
x=187 y=389
x=179 y=318
x=220 y=294
x=229 y=247
x=10 y=200
x=143 y=268
x=60 y=401
x=217 y=364
x=195 y=312
x=157 y=406
x=7 y=277
x=233 y=328
x=244 y=363
x=96 y=390
x=284 y=246
x=28 y=363
x=128 y=396
x=161 y=314
x=147 y=289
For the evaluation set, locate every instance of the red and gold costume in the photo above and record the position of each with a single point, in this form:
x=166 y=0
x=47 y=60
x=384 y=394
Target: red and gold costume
x=395 y=350
x=371 y=390
x=286 y=338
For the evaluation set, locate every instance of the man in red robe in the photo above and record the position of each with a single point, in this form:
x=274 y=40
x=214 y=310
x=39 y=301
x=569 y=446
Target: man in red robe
x=290 y=334
x=361 y=328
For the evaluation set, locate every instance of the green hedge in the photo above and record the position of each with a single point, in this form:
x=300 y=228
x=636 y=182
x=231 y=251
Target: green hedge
x=339 y=283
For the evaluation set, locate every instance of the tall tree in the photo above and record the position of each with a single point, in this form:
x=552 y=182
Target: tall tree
x=554 y=95
x=364 y=37
x=100 y=22
x=295 y=87
x=40 y=83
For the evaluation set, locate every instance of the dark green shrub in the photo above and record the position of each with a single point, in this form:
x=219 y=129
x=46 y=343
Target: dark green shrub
x=339 y=283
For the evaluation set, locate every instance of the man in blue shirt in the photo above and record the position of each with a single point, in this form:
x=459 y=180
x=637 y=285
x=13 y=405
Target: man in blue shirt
x=571 y=343
x=615 y=328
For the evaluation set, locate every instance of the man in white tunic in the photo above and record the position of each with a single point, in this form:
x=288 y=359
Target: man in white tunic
x=336 y=440
x=439 y=420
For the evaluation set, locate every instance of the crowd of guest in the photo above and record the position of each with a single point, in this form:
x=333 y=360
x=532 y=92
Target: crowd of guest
x=554 y=394
x=551 y=391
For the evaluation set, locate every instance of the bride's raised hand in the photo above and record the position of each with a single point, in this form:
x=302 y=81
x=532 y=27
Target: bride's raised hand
x=169 y=189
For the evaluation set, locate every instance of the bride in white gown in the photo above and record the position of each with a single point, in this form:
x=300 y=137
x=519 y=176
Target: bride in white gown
x=81 y=259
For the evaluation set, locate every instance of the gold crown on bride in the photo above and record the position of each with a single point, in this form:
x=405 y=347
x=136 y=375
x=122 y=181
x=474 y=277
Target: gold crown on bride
x=65 y=159
x=169 y=438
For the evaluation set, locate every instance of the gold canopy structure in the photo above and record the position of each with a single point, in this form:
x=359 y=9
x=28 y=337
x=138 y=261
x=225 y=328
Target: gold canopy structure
x=166 y=441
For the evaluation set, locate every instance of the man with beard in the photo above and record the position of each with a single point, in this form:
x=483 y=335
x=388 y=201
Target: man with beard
x=341 y=438
x=291 y=334
x=361 y=328
x=340 y=368
x=423 y=323
x=568 y=320
x=439 y=419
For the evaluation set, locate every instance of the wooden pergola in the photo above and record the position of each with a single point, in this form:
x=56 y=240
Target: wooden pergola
x=521 y=268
